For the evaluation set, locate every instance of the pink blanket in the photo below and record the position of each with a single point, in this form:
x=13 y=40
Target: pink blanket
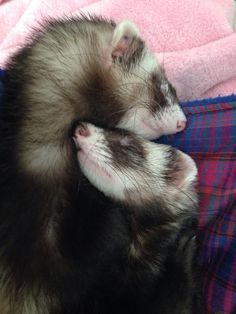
x=194 y=39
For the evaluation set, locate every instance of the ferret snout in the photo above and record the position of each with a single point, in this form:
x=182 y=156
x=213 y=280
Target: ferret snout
x=80 y=134
x=172 y=120
x=82 y=130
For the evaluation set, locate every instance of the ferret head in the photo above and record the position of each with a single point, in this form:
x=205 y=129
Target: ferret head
x=120 y=83
x=152 y=103
x=130 y=169
x=99 y=72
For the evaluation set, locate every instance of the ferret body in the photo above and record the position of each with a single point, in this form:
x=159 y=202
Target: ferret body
x=58 y=239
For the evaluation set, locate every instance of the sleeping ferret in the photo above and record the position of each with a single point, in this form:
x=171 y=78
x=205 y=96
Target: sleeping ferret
x=152 y=257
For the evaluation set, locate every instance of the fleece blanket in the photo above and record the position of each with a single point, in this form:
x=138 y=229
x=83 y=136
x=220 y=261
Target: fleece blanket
x=195 y=40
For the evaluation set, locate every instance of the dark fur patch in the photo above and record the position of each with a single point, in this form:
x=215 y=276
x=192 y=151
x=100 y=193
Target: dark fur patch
x=98 y=92
x=130 y=154
x=157 y=96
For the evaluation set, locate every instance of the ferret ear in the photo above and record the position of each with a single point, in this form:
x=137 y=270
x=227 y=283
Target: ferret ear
x=124 y=34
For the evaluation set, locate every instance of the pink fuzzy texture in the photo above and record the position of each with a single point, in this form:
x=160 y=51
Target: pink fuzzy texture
x=194 y=39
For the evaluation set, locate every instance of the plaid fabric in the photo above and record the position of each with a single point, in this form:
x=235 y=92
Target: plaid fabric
x=211 y=140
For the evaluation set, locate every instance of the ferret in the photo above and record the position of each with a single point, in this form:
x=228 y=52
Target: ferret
x=57 y=236
x=154 y=188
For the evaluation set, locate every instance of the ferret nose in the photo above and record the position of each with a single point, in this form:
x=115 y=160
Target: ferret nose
x=181 y=124
x=82 y=130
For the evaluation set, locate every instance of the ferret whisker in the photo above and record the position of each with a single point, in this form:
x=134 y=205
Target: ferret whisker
x=119 y=175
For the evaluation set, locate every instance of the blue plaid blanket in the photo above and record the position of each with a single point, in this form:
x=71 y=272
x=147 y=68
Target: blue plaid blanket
x=210 y=139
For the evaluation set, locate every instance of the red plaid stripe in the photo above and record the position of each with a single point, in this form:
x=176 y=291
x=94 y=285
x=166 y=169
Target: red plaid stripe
x=211 y=140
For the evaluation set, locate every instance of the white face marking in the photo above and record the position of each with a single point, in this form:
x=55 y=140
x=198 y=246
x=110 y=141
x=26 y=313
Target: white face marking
x=151 y=126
